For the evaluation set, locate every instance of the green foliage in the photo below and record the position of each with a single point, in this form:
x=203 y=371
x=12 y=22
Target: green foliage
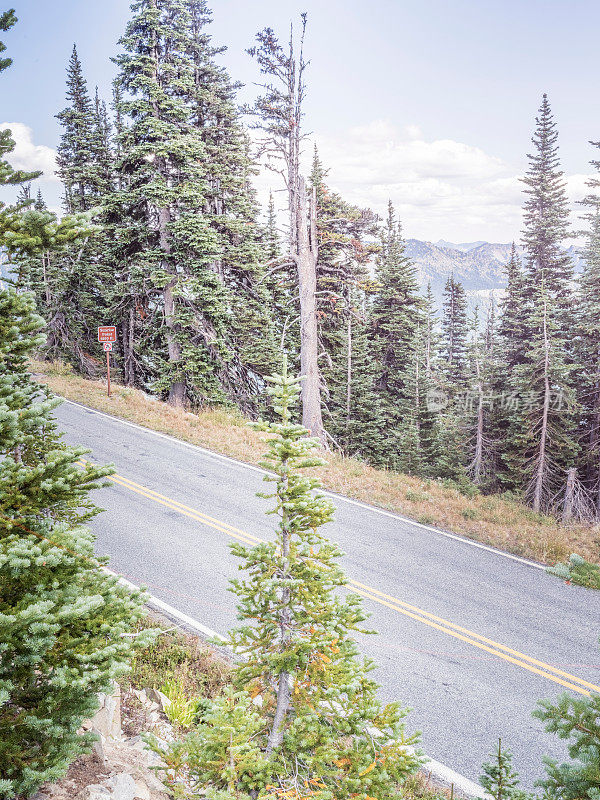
x=540 y=442
x=576 y=720
x=62 y=619
x=182 y=709
x=454 y=328
x=499 y=779
x=397 y=322
x=7 y=20
x=222 y=750
x=181 y=222
x=577 y=570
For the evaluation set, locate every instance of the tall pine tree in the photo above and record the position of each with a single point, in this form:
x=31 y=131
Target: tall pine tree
x=541 y=446
x=187 y=247
x=396 y=320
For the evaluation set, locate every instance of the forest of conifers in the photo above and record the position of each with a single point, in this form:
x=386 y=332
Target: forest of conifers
x=162 y=236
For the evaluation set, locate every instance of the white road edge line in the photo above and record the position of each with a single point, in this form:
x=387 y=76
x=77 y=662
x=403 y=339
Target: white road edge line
x=341 y=497
x=440 y=771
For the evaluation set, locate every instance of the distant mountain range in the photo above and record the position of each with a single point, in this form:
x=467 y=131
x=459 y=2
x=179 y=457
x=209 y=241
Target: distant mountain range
x=479 y=266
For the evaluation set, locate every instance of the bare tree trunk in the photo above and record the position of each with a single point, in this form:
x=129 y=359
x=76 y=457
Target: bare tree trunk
x=306 y=260
x=567 y=512
x=595 y=439
x=349 y=372
x=283 y=688
x=46 y=262
x=478 y=459
x=541 y=467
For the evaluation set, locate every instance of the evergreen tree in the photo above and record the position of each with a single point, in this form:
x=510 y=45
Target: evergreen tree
x=187 y=247
x=541 y=444
x=82 y=152
x=454 y=334
x=50 y=261
x=321 y=725
x=480 y=355
x=512 y=310
x=342 y=290
x=546 y=220
x=427 y=386
x=396 y=320
x=62 y=619
x=578 y=722
x=499 y=778
x=588 y=346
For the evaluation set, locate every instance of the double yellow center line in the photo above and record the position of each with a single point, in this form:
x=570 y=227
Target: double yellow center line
x=425 y=617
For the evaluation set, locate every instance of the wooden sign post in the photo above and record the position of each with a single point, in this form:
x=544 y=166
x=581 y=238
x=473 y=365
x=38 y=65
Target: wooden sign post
x=107 y=334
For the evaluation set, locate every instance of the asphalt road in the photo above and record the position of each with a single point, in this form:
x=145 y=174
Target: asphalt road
x=469 y=638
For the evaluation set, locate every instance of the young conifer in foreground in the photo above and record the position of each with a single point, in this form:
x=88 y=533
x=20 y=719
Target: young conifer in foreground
x=319 y=728
x=62 y=619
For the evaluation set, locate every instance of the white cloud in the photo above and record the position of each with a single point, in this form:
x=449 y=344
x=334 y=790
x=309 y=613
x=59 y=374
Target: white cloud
x=28 y=156
x=441 y=189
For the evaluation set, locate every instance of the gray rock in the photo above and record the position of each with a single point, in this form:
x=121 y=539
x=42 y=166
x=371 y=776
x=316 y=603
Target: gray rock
x=93 y=792
x=122 y=786
x=98 y=747
x=158 y=697
x=142 y=792
x=107 y=720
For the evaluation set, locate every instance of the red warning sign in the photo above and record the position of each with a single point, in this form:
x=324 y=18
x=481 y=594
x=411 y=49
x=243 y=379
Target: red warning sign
x=107 y=333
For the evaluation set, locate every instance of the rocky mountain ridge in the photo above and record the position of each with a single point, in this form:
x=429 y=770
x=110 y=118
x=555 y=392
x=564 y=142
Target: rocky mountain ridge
x=479 y=266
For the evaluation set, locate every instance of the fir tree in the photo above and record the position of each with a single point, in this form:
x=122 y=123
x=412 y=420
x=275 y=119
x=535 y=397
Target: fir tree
x=188 y=249
x=75 y=152
x=541 y=444
x=588 y=349
x=49 y=258
x=343 y=288
x=546 y=220
x=499 y=778
x=321 y=725
x=62 y=619
x=454 y=334
x=512 y=311
x=396 y=320
x=480 y=355
x=578 y=722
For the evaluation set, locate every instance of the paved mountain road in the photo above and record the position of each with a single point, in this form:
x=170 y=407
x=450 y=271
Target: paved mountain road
x=469 y=638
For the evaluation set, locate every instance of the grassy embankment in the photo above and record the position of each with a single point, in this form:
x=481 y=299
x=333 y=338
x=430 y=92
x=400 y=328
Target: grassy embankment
x=495 y=520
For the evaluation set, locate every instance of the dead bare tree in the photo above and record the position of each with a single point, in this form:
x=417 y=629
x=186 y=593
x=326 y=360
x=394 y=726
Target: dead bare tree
x=278 y=114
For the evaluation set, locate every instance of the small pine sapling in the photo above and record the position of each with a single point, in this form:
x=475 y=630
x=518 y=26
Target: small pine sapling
x=499 y=779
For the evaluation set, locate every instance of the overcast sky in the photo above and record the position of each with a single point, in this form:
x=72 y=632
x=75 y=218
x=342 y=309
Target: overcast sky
x=430 y=103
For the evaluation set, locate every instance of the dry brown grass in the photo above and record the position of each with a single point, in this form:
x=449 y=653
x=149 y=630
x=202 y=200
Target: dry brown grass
x=200 y=668
x=494 y=520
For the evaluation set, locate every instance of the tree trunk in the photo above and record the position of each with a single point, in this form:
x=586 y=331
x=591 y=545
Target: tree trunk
x=478 y=459
x=567 y=512
x=306 y=261
x=541 y=466
x=349 y=373
x=177 y=389
x=283 y=687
